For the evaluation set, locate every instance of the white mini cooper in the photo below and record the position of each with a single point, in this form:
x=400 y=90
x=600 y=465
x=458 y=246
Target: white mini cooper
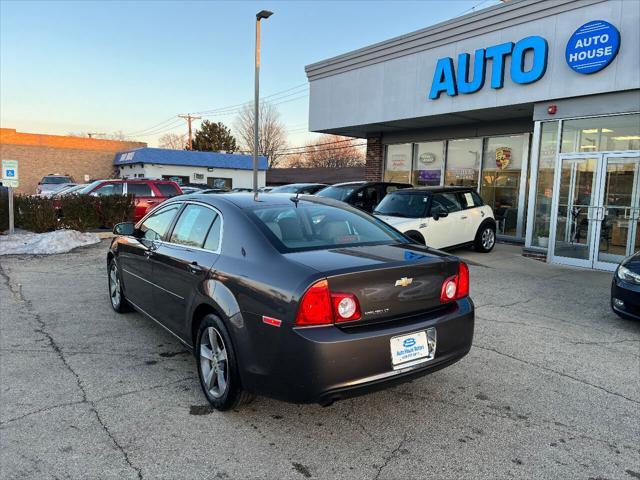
x=440 y=217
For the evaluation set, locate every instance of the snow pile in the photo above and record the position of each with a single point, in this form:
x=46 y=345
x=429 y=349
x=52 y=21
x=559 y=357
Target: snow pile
x=60 y=241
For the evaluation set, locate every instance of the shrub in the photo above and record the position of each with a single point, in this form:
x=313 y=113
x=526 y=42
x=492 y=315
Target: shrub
x=79 y=212
x=37 y=214
x=114 y=209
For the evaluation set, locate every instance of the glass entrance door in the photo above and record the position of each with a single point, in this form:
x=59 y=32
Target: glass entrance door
x=596 y=209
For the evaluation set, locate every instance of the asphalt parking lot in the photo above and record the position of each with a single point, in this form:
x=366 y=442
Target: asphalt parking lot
x=551 y=389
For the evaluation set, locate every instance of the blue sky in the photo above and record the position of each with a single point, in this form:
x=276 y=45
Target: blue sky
x=79 y=66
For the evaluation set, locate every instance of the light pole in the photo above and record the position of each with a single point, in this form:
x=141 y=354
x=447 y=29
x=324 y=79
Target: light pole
x=256 y=138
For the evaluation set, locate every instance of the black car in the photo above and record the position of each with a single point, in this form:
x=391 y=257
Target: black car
x=364 y=195
x=625 y=288
x=300 y=298
x=301 y=188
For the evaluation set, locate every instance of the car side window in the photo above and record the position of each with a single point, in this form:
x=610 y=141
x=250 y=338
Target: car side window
x=108 y=189
x=193 y=226
x=468 y=200
x=157 y=224
x=477 y=199
x=445 y=203
x=167 y=189
x=139 y=189
x=213 y=237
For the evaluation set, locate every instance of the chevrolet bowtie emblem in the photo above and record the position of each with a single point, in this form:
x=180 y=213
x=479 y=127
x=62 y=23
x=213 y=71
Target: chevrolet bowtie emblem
x=403 y=282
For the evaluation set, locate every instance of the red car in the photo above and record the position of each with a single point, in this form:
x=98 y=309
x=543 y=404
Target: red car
x=148 y=193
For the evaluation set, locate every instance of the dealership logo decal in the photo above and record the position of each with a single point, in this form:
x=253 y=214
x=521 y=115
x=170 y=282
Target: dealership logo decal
x=447 y=80
x=503 y=157
x=592 y=47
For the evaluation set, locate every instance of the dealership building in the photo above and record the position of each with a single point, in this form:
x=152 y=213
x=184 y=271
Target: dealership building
x=534 y=103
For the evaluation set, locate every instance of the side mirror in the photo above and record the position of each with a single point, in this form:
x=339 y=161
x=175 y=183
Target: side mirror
x=438 y=215
x=124 y=228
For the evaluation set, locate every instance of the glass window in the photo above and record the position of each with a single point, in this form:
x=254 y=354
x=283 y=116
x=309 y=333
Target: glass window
x=463 y=162
x=366 y=198
x=215 y=182
x=428 y=164
x=469 y=199
x=445 y=202
x=338 y=193
x=139 y=189
x=500 y=185
x=167 y=189
x=108 y=189
x=157 y=224
x=544 y=184
x=311 y=226
x=398 y=163
x=585 y=135
x=193 y=225
x=409 y=205
x=213 y=237
x=56 y=180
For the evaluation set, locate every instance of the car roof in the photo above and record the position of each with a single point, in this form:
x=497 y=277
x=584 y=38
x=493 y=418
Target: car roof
x=245 y=200
x=366 y=183
x=434 y=190
x=303 y=184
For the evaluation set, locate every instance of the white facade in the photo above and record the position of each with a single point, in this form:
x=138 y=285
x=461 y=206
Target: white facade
x=239 y=178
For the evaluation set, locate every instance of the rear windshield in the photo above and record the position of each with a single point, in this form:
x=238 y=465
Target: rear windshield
x=410 y=205
x=310 y=226
x=168 y=189
x=286 y=189
x=56 y=180
x=339 y=193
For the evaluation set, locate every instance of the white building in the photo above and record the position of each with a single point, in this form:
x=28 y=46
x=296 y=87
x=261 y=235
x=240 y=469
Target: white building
x=219 y=170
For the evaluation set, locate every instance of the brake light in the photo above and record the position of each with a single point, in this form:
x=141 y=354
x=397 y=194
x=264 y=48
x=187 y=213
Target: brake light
x=457 y=286
x=319 y=306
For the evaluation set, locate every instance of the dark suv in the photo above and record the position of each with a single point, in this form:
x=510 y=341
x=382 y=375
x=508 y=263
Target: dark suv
x=364 y=195
x=148 y=193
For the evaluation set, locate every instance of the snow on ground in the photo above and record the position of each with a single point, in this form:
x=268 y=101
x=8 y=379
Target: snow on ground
x=60 y=241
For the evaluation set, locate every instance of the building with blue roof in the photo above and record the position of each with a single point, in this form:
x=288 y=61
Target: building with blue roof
x=217 y=170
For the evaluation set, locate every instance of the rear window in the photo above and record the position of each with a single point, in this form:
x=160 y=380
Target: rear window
x=338 y=193
x=168 y=189
x=310 y=226
x=409 y=205
x=286 y=189
x=139 y=189
x=56 y=180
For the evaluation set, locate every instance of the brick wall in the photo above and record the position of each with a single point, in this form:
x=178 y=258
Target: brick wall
x=40 y=155
x=375 y=152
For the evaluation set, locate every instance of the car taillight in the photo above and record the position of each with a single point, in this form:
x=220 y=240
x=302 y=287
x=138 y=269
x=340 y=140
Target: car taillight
x=456 y=286
x=319 y=306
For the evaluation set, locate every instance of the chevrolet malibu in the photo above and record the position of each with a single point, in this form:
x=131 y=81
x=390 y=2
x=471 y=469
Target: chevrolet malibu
x=299 y=298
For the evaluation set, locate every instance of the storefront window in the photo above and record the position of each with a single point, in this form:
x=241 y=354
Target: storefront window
x=544 y=185
x=463 y=162
x=500 y=186
x=428 y=164
x=601 y=134
x=398 y=163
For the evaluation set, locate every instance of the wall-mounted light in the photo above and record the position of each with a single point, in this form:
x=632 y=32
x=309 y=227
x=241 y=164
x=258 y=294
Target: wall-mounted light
x=552 y=109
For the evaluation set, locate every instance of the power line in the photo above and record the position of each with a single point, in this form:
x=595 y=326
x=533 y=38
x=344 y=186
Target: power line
x=189 y=118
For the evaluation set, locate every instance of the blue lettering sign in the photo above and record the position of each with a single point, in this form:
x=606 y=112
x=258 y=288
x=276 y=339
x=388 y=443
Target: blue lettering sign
x=539 y=48
x=464 y=85
x=498 y=53
x=444 y=79
x=592 y=47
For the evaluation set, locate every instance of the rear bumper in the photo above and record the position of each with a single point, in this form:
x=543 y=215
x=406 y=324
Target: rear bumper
x=324 y=364
x=629 y=295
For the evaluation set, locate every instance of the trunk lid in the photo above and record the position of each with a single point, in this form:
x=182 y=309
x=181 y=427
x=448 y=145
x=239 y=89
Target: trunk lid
x=390 y=281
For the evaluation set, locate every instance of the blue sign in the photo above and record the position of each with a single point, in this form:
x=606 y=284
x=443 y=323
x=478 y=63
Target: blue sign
x=446 y=80
x=592 y=47
x=409 y=342
x=10 y=173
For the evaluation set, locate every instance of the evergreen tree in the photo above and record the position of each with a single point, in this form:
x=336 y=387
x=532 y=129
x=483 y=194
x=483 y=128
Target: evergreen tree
x=213 y=137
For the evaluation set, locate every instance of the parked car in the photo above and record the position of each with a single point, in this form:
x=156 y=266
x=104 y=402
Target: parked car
x=625 y=288
x=214 y=190
x=265 y=189
x=52 y=182
x=241 y=189
x=148 y=193
x=61 y=191
x=304 y=300
x=439 y=217
x=186 y=190
x=301 y=188
x=364 y=195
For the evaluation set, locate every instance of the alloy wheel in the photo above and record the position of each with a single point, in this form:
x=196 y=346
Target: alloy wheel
x=214 y=366
x=488 y=238
x=114 y=286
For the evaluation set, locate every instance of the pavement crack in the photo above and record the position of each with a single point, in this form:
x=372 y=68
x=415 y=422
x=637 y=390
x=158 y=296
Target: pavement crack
x=562 y=374
x=41 y=410
x=391 y=456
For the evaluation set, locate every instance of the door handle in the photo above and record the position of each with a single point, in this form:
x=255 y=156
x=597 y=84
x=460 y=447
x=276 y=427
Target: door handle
x=194 y=268
x=463 y=218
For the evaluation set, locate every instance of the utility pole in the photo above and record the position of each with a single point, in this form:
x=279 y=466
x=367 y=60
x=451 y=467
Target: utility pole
x=261 y=15
x=189 y=118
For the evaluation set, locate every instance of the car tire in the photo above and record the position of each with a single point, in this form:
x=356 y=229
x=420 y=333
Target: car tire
x=218 y=366
x=485 y=238
x=116 y=294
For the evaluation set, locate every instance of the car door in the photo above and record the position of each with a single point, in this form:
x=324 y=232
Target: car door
x=445 y=226
x=181 y=263
x=472 y=214
x=144 y=198
x=134 y=256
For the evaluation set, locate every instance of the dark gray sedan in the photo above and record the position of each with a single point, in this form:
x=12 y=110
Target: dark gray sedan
x=299 y=298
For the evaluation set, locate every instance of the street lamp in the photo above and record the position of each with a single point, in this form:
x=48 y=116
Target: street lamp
x=259 y=16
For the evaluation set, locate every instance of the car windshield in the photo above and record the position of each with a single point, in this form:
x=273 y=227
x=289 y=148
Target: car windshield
x=338 y=193
x=56 y=180
x=89 y=186
x=310 y=226
x=286 y=189
x=409 y=205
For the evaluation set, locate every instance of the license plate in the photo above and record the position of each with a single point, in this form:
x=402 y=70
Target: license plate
x=414 y=348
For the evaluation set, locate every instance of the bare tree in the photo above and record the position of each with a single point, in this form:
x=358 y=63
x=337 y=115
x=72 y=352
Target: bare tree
x=331 y=151
x=271 y=134
x=173 y=141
